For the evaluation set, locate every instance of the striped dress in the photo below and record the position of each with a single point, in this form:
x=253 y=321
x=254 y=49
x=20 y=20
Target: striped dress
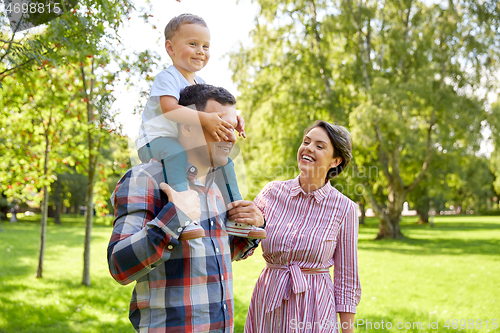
x=307 y=233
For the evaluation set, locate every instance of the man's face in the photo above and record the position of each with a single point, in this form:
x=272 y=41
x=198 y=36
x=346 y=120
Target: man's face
x=219 y=150
x=205 y=150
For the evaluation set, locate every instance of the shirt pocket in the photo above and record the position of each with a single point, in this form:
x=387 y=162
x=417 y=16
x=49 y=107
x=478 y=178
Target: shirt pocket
x=329 y=237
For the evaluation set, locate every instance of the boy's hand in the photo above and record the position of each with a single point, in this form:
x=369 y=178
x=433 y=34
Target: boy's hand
x=241 y=126
x=213 y=123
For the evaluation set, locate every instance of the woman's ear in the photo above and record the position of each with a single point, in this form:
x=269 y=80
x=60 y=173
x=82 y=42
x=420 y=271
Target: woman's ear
x=336 y=162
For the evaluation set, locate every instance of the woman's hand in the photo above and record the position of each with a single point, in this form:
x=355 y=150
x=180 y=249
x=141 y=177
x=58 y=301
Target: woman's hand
x=244 y=211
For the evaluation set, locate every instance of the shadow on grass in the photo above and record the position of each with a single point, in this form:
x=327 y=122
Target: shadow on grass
x=28 y=318
x=403 y=320
x=434 y=246
x=60 y=306
x=406 y=320
x=240 y=315
x=68 y=220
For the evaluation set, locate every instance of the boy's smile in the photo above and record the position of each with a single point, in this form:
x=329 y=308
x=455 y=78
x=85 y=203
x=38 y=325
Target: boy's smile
x=189 y=49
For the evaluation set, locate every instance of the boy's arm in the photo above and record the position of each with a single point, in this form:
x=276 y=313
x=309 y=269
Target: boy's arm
x=212 y=122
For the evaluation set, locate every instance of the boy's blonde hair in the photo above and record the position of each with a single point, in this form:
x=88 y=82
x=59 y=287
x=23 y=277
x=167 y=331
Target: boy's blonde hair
x=177 y=21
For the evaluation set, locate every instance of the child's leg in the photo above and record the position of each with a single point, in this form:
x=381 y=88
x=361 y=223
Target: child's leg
x=174 y=159
x=230 y=191
x=228 y=184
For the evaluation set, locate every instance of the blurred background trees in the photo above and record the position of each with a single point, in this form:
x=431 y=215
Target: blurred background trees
x=410 y=79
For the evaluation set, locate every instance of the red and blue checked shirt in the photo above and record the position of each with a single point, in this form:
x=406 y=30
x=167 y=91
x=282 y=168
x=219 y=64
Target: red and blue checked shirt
x=181 y=286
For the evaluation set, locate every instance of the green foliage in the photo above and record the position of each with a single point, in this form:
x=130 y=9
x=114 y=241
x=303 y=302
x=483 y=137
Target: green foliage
x=404 y=77
x=36 y=118
x=86 y=29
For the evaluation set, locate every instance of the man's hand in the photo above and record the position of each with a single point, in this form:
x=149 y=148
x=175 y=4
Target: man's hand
x=188 y=201
x=244 y=211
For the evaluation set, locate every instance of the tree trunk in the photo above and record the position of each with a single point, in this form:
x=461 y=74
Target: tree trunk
x=423 y=212
x=389 y=221
x=57 y=202
x=45 y=204
x=362 y=209
x=89 y=214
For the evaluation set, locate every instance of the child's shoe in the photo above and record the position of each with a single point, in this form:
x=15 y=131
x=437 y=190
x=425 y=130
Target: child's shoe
x=244 y=230
x=191 y=231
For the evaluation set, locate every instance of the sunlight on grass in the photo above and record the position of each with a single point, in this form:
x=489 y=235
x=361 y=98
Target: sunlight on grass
x=450 y=272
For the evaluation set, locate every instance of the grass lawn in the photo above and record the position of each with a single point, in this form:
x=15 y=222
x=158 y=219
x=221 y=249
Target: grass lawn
x=451 y=271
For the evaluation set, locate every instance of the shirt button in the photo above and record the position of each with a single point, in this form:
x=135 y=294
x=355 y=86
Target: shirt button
x=179 y=229
x=222 y=278
x=212 y=223
x=186 y=224
x=217 y=250
x=170 y=247
x=224 y=306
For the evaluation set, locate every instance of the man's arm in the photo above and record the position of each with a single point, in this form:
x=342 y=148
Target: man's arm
x=144 y=233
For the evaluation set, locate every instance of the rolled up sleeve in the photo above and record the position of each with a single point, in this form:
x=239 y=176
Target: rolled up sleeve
x=142 y=237
x=347 y=286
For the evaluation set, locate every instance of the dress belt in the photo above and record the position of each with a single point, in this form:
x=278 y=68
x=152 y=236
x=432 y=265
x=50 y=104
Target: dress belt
x=292 y=280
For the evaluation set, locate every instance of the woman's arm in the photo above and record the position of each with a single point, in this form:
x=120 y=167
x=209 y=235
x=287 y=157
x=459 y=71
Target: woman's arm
x=347 y=287
x=347 y=322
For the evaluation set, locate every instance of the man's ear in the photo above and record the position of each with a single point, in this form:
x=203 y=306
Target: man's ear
x=169 y=47
x=186 y=130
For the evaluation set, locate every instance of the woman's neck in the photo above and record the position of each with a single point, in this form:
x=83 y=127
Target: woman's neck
x=310 y=184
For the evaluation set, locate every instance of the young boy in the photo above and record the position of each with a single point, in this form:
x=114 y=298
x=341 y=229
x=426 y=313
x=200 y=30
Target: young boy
x=187 y=43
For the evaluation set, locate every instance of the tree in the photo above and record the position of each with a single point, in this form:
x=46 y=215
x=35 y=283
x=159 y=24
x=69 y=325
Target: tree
x=404 y=75
x=78 y=38
x=38 y=130
x=81 y=30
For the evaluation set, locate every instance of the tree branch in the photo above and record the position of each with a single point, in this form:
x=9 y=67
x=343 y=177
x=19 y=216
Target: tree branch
x=319 y=54
x=361 y=43
x=10 y=42
x=383 y=156
x=368 y=194
x=427 y=159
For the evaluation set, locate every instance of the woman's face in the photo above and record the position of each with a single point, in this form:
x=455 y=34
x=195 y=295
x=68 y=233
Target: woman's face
x=315 y=155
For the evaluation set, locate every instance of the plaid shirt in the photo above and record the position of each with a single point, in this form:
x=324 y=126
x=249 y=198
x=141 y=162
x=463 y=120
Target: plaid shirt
x=181 y=286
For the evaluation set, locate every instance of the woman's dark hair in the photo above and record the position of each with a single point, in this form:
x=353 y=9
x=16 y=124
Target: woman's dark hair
x=199 y=94
x=341 y=142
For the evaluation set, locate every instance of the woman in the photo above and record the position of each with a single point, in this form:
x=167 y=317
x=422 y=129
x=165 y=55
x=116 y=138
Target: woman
x=310 y=227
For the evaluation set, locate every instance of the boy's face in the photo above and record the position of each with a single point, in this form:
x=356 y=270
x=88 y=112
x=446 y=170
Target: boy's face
x=189 y=48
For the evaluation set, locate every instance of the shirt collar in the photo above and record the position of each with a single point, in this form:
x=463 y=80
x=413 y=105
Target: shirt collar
x=319 y=194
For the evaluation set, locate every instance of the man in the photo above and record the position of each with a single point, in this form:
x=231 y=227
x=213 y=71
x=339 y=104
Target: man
x=182 y=286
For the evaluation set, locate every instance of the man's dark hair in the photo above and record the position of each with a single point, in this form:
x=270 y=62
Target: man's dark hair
x=199 y=94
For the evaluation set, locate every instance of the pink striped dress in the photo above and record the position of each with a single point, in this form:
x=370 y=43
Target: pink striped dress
x=307 y=233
